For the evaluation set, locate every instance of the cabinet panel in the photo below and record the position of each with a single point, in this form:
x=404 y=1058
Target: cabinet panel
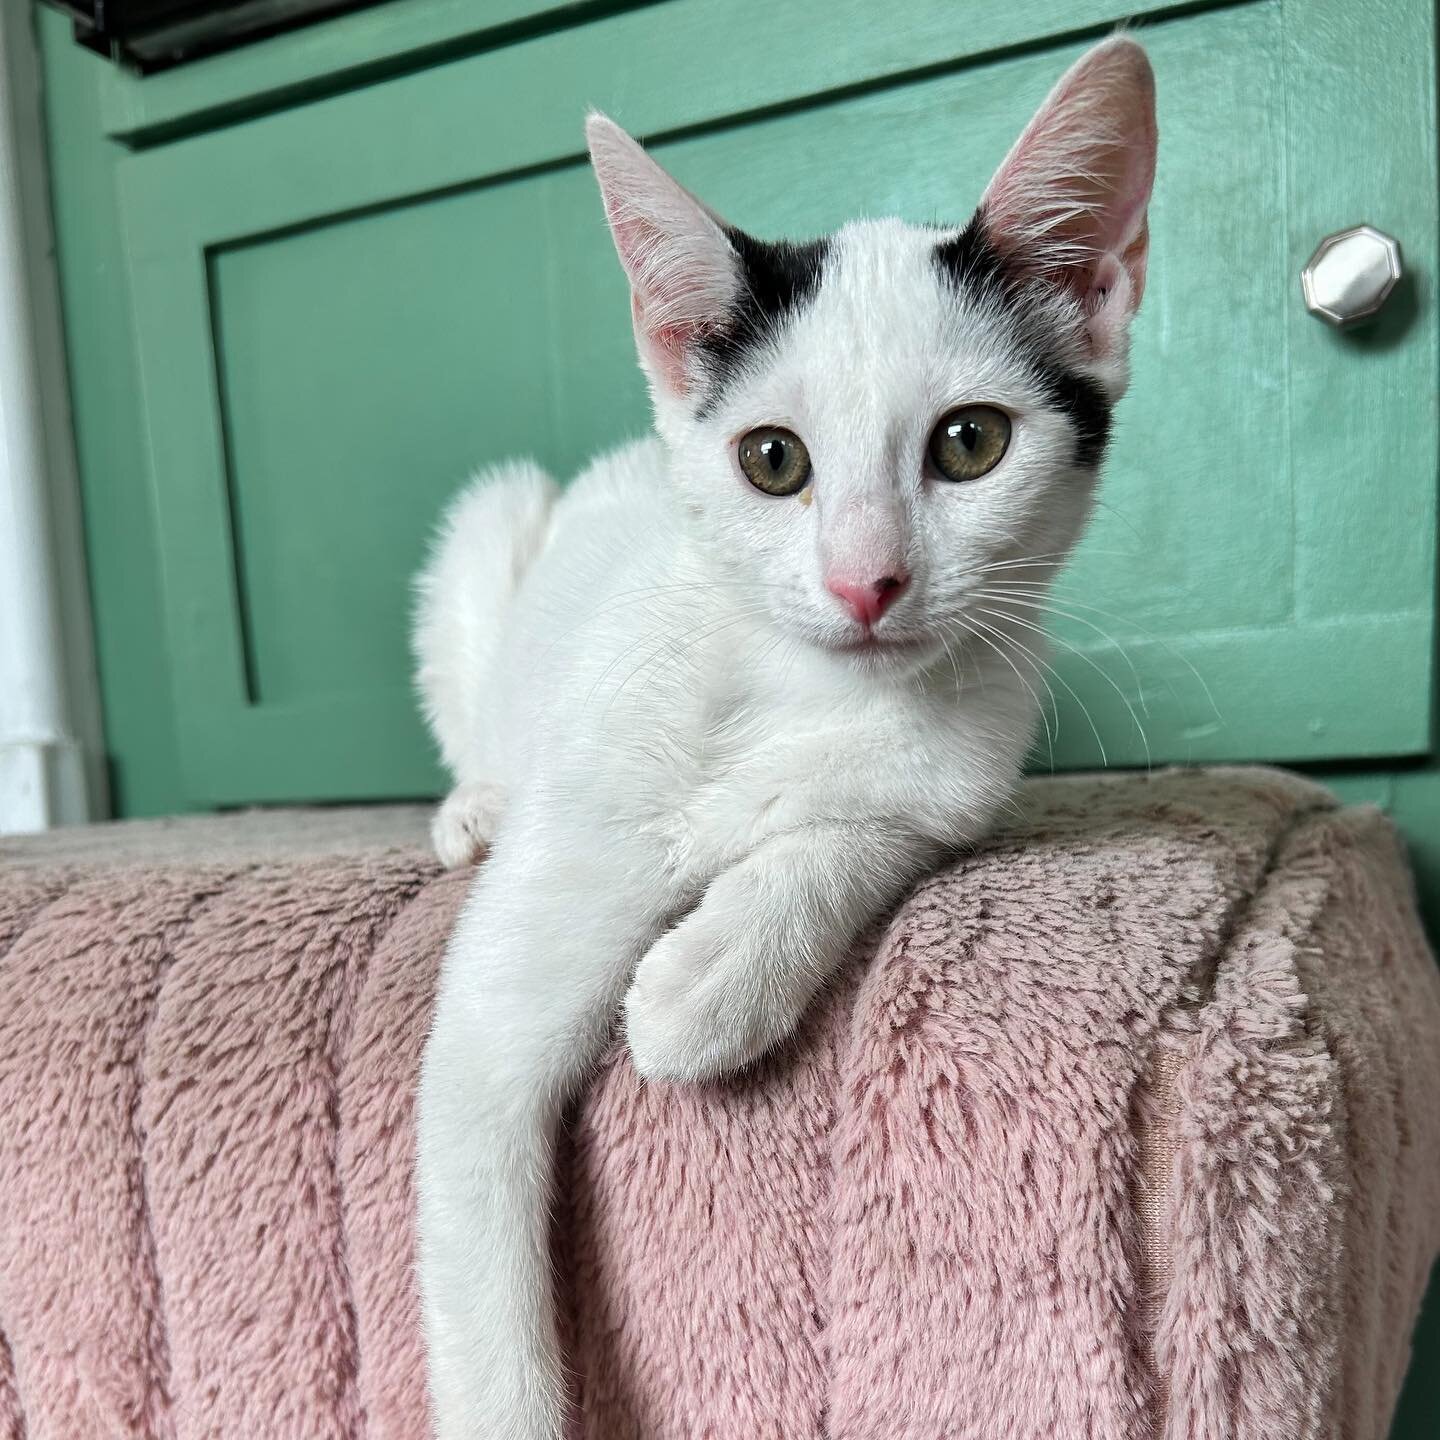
x=344 y=308
x=360 y=363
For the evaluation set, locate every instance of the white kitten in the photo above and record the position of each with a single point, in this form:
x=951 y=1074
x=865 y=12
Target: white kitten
x=723 y=701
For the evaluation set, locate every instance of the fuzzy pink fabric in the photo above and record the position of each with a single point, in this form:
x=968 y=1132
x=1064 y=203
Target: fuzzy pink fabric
x=1123 y=1127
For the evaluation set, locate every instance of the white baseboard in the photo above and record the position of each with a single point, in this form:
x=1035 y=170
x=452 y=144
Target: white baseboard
x=42 y=785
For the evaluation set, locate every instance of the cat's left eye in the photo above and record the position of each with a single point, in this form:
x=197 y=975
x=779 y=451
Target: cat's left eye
x=969 y=442
x=775 y=460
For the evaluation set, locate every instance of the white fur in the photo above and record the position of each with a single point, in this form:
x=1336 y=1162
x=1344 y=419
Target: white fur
x=707 y=790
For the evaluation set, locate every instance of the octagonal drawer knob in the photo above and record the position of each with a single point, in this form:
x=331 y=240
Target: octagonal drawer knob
x=1351 y=274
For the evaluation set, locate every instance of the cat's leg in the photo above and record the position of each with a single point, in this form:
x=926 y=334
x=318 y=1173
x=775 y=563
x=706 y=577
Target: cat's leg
x=529 y=990
x=487 y=540
x=466 y=822
x=733 y=978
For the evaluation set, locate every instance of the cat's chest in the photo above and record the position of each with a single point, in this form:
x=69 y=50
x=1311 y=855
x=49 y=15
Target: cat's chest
x=745 y=771
x=719 y=810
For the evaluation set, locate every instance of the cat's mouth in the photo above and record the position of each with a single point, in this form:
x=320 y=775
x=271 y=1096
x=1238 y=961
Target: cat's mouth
x=869 y=643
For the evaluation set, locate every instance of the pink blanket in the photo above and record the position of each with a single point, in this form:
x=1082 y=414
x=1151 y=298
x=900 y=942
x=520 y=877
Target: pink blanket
x=1124 y=1127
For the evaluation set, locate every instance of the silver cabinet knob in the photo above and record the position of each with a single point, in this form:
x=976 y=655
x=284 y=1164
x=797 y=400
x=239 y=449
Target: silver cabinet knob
x=1351 y=274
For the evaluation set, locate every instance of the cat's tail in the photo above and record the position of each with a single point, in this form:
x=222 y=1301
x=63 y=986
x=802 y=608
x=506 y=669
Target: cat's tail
x=486 y=541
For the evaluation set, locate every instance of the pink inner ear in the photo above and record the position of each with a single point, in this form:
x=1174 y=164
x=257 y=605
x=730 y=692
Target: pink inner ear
x=662 y=302
x=665 y=288
x=1073 y=192
x=683 y=272
x=665 y=347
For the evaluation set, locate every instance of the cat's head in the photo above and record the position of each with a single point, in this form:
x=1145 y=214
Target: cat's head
x=872 y=425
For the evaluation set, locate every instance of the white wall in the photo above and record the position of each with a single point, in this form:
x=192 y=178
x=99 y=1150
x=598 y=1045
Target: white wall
x=51 y=747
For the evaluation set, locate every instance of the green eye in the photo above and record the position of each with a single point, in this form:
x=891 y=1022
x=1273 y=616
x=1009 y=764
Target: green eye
x=775 y=460
x=969 y=442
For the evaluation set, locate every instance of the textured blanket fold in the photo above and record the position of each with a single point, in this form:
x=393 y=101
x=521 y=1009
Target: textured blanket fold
x=1122 y=1127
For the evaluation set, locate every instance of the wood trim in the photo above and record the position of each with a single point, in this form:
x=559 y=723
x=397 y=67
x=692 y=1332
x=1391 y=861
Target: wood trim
x=323 y=59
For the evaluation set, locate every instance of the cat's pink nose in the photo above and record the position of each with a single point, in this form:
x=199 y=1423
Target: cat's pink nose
x=868 y=600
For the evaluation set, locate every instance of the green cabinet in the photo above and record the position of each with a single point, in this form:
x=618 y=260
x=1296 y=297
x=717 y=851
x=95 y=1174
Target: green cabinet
x=342 y=306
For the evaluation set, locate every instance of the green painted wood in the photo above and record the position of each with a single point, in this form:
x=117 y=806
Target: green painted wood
x=332 y=333
x=522 y=106
x=1417 y=1417
x=320 y=59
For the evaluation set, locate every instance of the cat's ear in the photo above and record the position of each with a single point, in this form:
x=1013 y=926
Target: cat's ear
x=684 y=273
x=1068 y=205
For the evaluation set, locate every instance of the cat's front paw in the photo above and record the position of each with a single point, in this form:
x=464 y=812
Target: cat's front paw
x=466 y=822
x=698 y=1006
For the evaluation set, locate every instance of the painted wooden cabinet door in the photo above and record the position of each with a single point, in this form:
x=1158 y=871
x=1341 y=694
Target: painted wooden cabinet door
x=346 y=305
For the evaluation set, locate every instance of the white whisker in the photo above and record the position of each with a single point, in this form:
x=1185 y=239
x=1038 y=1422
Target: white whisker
x=1097 y=668
x=1064 y=683
x=984 y=632
x=1035 y=590
x=1006 y=596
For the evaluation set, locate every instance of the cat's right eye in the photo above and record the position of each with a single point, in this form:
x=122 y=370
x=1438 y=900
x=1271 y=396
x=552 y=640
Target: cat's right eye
x=970 y=442
x=775 y=460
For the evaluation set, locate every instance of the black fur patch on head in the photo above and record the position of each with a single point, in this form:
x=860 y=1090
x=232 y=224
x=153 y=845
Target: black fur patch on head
x=777 y=278
x=970 y=262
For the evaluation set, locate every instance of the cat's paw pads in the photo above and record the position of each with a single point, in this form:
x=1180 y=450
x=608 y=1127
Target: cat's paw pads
x=466 y=823
x=694 y=1012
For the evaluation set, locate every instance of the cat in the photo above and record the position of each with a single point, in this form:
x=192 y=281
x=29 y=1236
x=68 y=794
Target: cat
x=716 y=707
